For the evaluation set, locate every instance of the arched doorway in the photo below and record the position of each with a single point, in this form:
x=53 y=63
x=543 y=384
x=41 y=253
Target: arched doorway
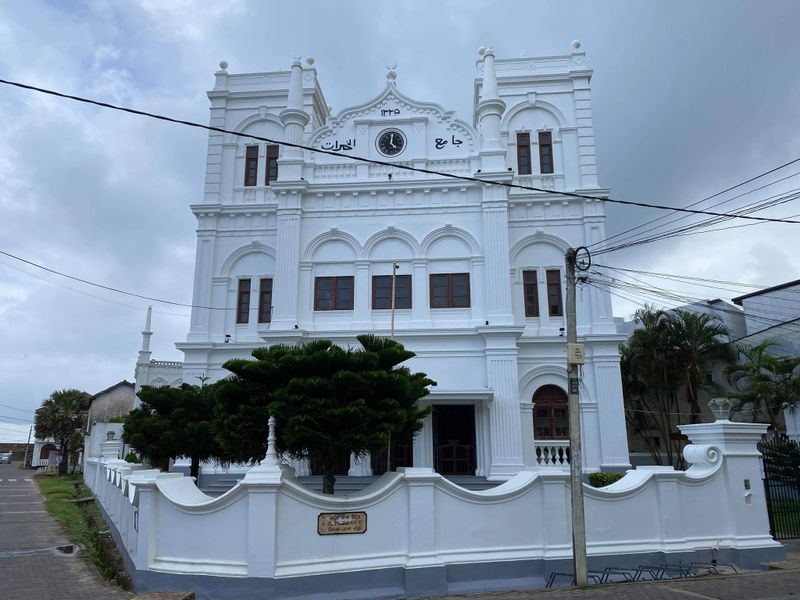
x=551 y=425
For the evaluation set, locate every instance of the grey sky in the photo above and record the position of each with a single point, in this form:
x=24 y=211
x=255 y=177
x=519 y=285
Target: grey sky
x=689 y=97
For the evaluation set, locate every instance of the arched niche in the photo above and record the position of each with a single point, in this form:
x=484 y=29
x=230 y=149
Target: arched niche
x=391 y=244
x=449 y=242
x=253 y=258
x=333 y=246
x=532 y=116
x=538 y=249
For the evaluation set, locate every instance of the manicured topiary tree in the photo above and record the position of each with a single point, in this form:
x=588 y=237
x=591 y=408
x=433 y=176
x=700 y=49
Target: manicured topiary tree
x=328 y=401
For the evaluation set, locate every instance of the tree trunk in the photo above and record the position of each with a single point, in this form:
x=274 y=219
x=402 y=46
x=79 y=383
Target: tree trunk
x=63 y=459
x=194 y=471
x=328 y=476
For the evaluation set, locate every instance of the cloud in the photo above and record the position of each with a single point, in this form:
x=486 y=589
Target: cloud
x=685 y=103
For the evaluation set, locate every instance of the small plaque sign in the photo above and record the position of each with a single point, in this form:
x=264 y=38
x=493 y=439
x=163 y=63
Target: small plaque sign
x=341 y=523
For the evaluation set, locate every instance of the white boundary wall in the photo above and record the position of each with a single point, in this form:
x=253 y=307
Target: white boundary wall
x=266 y=526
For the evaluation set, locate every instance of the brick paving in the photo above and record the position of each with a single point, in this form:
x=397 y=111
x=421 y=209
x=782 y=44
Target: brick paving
x=782 y=584
x=28 y=570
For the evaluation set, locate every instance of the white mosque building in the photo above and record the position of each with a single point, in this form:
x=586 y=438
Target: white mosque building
x=295 y=245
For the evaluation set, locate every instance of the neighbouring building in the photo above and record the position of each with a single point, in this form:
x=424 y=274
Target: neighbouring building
x=106 y=411
x=773 y=313
x=295 y=245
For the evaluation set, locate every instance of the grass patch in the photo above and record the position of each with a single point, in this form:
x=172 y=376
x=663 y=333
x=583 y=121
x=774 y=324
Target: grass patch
x=83 y=524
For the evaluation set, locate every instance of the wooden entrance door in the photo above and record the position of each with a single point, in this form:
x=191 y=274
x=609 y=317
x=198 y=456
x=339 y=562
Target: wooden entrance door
x=454 y=439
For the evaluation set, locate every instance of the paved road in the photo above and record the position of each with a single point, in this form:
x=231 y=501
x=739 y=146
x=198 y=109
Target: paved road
x=29 y=568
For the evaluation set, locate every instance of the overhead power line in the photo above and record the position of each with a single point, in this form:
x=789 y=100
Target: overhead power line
x=384 y=163
x=28 y=421
x=15 y=408
x=107 y=287
x=656 y=219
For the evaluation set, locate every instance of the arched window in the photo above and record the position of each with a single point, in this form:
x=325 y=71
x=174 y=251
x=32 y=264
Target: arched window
x=550 y=413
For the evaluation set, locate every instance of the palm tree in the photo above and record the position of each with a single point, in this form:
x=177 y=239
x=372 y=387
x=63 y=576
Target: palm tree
x=59 y=417
x=662 y=361
x=764 y=381
x=699 y=338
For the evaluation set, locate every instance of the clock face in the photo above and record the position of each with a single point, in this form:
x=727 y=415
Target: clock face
x=391 y=142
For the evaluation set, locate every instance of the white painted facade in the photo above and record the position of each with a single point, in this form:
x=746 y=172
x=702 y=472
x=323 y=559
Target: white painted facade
x=328 y=215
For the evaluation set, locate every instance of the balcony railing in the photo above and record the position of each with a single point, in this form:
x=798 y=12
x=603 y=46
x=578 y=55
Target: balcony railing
x=552 y=453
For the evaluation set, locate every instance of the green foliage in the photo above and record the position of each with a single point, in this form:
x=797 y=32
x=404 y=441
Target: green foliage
x=173 y=422
x=59 y=417
x=599 y=480
x=328 y=401
x=764 y=382
x=660 y=360
x=132 y=457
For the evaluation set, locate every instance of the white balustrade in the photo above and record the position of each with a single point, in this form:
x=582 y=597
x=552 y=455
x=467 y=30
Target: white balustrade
x=552 y=453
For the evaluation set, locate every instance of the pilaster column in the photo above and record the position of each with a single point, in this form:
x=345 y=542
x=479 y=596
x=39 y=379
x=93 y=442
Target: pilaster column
x=423 y=444
x=362 y=299
x=287 y=261
x=496 y=251
x=611 y=411
x=420 y=311
x=504 y=410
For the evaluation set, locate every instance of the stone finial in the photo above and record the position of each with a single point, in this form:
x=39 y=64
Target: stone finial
x=576 y=45
x=391 y=71
x=310 y=61
x=272 y=453
x=223 y=65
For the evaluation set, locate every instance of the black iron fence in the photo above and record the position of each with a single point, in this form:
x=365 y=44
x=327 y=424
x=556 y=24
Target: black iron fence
x=781 y=461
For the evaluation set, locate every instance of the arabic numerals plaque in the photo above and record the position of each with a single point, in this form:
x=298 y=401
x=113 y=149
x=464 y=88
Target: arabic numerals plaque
x=341 y=523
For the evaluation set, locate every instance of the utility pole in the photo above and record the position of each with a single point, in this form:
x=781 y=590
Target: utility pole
x=27 y=445
x=575 y=358
x=395 y=266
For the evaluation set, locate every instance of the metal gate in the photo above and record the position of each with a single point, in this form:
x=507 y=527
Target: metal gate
x=781 y=461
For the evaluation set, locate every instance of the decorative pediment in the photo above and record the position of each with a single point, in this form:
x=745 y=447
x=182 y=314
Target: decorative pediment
x=432 y=130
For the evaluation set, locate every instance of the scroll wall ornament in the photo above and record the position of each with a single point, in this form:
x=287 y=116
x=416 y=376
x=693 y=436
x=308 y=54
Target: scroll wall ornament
x=704 y=458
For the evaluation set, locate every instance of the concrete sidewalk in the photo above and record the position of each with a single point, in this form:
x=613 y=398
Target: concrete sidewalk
x=29 y=567
x=782 y=583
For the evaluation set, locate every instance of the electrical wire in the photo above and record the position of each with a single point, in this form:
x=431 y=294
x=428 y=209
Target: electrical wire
x=384 y=163
x=29 y=421
x=655 y=220
x=691 y=228
x=15 y=408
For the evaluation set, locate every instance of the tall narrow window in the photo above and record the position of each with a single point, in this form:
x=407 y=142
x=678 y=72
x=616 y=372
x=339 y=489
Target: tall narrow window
x=382 y=291
x=243 y=301
x=554 y=303
x=449 y=290
x=333 y=293
x=251 y=166
x=523 y=154
x=531 y=291
x=545 y=152
x=265 y=301
x=272 y=163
